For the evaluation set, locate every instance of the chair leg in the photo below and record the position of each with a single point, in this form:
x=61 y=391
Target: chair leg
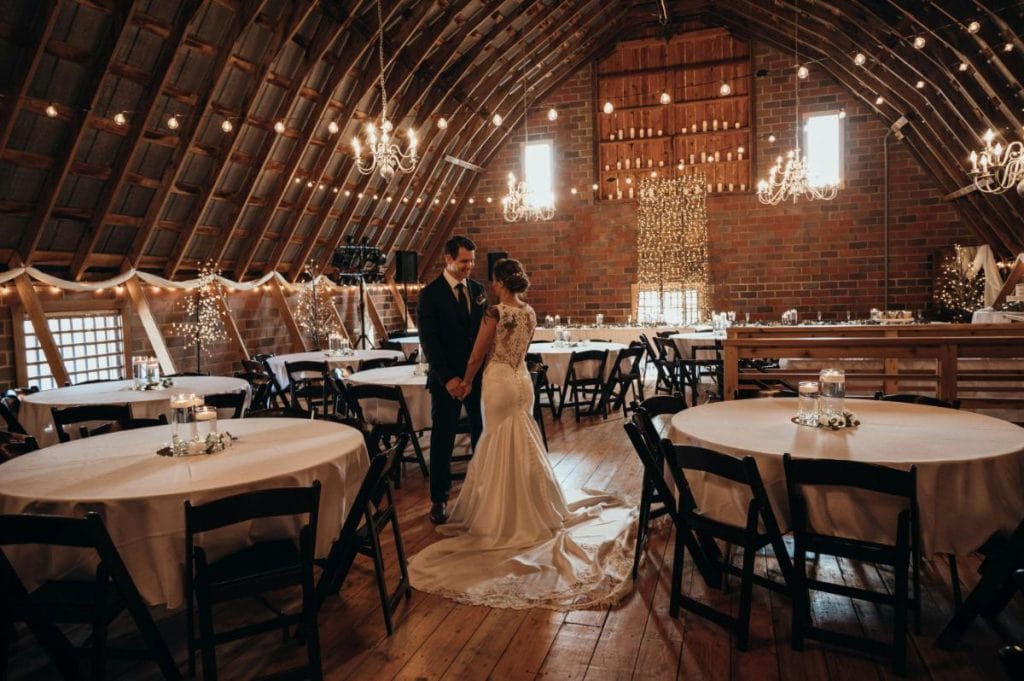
x=382 y=587
x=400 y=551
x=954 y=580
x=206 y=635
x=899 y=627
x=99 y=646
x=311 y=630
x=800 y=597
x=641 y=527
x=679 y=555
x=746 y=586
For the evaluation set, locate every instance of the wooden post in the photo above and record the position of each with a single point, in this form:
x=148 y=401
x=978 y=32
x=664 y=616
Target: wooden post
x=731 y=362
x=946 y=370
x=34 y=309
x=298 y=342
x=230 y=326
x=156 y=340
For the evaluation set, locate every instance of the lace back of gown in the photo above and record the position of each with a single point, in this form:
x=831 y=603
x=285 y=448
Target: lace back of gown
x=514 y=540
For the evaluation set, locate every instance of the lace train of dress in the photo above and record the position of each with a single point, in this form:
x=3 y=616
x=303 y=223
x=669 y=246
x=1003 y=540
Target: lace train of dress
x=515 y=541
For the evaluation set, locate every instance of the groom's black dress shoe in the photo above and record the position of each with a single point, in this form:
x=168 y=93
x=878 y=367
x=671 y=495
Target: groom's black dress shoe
x=438 y=513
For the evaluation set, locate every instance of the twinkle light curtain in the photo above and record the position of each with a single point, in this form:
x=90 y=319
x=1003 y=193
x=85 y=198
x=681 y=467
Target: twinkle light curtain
x=672 y=245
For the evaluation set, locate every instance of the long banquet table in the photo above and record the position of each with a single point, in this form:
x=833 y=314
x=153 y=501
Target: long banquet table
x=141 y=495
x=145 y=404
x=970 y=467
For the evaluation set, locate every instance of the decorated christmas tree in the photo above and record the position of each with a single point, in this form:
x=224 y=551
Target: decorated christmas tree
x=202 y=325
x=959 y=290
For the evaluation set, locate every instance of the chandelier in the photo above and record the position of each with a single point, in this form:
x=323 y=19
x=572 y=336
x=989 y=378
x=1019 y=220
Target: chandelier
x=522 y=202
x=998 y=168
x=385 y=155
x=790 y=181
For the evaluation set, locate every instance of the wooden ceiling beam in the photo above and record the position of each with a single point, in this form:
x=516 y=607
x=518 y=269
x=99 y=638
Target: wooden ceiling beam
x=286 y=28
x=414 y=25
x=130 y=145
x=91 y=92
x=326 y=31
x=37 y=33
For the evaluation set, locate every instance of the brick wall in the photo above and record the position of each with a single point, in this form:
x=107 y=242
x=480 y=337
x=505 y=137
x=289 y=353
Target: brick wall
x=814 y=256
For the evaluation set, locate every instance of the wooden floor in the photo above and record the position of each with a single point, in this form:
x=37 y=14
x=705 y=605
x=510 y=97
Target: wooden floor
x=439 y=639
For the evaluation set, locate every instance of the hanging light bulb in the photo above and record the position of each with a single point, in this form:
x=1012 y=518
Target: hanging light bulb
x=665 y=98
x=859 y=59
x=802 y=72
x=497 y=120
x=963 y=66
x=120 y=119
x=226 y=125
x=594 y=186
x=333 y=127
x=608 y=108
x=842 y=113
x=572 y=190
x=442 y=123
x=880 y=100
x=724 y=89
x=552 y=114
x=771 y=137
x=919 y=42
x=973 y=27
x=51 y=111
x=172 y=123
x=279 y=127
x=1008 y=47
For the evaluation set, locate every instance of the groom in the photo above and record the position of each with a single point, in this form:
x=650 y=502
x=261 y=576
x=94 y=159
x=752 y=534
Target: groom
x=450 y=310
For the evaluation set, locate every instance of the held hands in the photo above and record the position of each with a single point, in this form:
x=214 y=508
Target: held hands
x=458 y=388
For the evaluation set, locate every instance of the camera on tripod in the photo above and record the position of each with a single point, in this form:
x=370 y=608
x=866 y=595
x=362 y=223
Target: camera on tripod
x=358 y=262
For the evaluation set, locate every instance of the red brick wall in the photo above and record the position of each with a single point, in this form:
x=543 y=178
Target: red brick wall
x=814 y=256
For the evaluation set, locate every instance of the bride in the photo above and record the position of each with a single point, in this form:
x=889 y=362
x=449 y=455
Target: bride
x=515 y=541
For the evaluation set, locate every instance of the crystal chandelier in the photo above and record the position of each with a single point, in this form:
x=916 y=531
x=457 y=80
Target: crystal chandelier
x=998 y=168
x=385 y=155
x=522 y=202
x=790 y=181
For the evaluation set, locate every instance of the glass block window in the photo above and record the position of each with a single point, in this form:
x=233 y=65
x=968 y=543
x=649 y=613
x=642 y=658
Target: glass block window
x=673 y=305
x=92 y=346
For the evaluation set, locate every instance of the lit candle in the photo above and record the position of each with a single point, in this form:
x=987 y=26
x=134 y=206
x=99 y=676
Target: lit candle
x=704 y=126
x=206 y=415
x=181 y=401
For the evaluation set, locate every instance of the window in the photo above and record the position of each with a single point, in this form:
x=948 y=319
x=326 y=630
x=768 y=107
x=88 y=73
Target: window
x=673 y=305
x=823 y=146
x=92 y=346
x=539 y=171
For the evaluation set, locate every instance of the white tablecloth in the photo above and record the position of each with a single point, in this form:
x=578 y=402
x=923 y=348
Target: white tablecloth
x=615 y=334
x=145 y=404
x=557 y=358
x=414 y=389
x=685 y=342
x=408 y=343
x=970 y=467
x=350 y=362
x=996 y=317
x=141 y=495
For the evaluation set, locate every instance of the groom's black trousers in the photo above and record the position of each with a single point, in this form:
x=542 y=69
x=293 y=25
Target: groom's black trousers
x=445 y=411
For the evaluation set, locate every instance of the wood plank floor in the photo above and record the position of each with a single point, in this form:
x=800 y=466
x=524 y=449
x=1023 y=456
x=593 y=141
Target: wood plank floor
x=637 y=639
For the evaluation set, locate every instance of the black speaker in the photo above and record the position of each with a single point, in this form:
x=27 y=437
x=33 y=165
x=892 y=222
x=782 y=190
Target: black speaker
x=407 y=265
x=492 y=258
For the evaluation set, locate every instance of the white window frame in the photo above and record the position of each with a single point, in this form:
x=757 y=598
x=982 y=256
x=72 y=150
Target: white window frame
x=810 y=149
x=687 y=314
x=540 y=192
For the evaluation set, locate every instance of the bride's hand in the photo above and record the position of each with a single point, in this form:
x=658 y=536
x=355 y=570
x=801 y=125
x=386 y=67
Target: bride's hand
x=464 y=389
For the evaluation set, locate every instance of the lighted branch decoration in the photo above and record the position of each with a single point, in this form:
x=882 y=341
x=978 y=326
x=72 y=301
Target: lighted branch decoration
x=958 y=291
x=202 y=325
x=315 y=309
x=672 y=238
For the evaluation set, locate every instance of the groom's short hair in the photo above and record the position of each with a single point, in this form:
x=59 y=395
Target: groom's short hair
x=455 y=243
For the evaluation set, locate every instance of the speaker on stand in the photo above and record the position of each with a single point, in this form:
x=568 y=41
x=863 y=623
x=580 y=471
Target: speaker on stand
x=407 y=265
x=492 y=258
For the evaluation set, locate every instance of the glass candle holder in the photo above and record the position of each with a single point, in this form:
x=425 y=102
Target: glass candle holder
x=807 y=403
x=205 y=420
x=181 y=406
x=833 y=391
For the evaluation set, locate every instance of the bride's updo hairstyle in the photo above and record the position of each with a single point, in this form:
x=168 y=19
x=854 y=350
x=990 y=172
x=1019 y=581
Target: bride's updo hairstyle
x=511 y=275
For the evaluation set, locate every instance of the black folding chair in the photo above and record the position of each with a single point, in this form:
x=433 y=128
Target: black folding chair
x=186 y=374
x=906 y=551
x=124 y=424
x=376 y=363
x=372 y=511
x=546 y=388
x=260 y=383
x=265 y=566
x=760 y=530
x=277 y=392
x=68 y=416
x=97 y=601
x=10 y=406
x=399 y=432
x=280 y=413
x=624 y=376
x=307 y=381
x=584 y=382
x=910 y=398
x=538 y=376
x=15 y=444
x=663 y=381
x=234 y=401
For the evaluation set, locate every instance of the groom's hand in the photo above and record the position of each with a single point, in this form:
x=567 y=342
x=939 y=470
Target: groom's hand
x=454 y=388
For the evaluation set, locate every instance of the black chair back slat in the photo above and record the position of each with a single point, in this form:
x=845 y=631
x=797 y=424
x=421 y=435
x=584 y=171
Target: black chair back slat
x=16 y=444
x=661 y=405
x=857 y=474
x=250 y=506
x=401 y=430
x=66 y=416
x=10 y=405
x=376 y=363
x=233 y=400
x=715 y=463
x=125 y=424
x=280 y=413
x=307 y=380
x=585 y=391
x=910 y=398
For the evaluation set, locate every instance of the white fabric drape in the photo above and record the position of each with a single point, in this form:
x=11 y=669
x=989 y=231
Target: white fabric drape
x=151 y=279
x=985 y=260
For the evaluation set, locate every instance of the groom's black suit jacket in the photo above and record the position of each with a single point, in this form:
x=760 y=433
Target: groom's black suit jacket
x=446 y=335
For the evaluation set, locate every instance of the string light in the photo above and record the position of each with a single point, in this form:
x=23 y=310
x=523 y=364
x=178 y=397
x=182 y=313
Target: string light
x=226 y=125
x=859 y=59
x=202 y=325
x=1008 y=47
x=802 y=72
x=963 y=66
x=333 y=128
x=880 y=100
x=51 y=111
x=919 y=42
x=919 y=85
x=608 y=107
x=771 y=137
x=279 y=127
x=442 y=123
x=120 y=119
x=571 y=191
x=496 y=119
x=173 y=123
x=313 y=309
x=842 y=113
x=725 y=89
x=552 y=114
x=973 y=27
x=665 y=98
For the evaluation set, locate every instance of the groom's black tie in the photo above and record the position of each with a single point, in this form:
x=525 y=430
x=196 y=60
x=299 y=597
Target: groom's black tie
x=463 y=307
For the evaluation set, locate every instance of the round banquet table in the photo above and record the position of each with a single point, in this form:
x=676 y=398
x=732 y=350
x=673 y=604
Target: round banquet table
x=141 y=495
x=350 y=362
x=414 y=390
x=970 y=481
x=408 y=343
x=685 y=342
x=145 y=404
x=557 y=358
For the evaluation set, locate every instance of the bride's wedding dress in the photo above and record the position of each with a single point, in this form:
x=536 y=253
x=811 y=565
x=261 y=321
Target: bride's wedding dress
x=515 y=540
